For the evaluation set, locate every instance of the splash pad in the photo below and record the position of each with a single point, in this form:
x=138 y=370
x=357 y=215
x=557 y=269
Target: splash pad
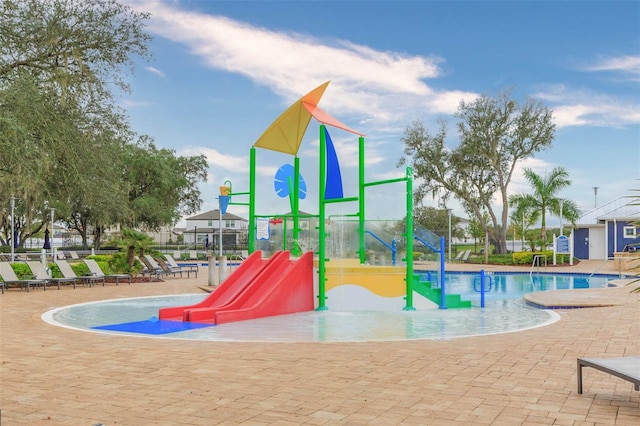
x=252 y=290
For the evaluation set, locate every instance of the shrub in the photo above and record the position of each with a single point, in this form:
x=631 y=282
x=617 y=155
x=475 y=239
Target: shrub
x=22 y=271
x=118 y=263
x=80 y=269
x=55 y=271
x=526 y=257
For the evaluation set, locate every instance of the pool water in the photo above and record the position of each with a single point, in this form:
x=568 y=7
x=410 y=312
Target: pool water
x=505 y=312
x=502 y=286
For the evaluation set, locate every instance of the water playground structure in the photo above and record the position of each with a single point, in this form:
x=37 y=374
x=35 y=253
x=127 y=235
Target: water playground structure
x=291 y=280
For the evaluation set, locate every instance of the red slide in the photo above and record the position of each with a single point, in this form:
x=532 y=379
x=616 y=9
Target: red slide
x=258 y=288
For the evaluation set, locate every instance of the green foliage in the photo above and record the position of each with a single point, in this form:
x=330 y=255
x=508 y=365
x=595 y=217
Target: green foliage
x=61 y=62
x=22 y=271
x=544 y=198
x=80 y=269
x=526 y=257
x=132 y=243
x=119 y=264
x=100 y=257
x=500 y=259
x=162 y=187
x=55 y=271
x=495 y=134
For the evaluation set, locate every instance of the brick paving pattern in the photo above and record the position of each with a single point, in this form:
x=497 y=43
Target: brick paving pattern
x=56 y=376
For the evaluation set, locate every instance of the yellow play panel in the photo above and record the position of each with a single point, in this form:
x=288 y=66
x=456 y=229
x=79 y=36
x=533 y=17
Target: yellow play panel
x=385 y=281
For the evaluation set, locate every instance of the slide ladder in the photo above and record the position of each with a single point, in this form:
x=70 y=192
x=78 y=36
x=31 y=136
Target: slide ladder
x=425 y=289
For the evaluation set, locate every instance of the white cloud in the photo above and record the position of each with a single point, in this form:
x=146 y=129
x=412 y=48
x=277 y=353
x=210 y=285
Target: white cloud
x=625 y=64
x=573 y=107
x=130 y=104
x=365 y=82
x=216 y=158
x=156 y=71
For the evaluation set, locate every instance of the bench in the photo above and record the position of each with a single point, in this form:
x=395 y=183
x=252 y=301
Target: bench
x=627 y=368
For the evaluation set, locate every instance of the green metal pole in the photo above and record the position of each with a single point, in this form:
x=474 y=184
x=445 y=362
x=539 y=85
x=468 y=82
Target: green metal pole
x=284 y=233
x=322 y=183
x=252 y=200
x=296 y=202
x=361 y=212
x=409 y=231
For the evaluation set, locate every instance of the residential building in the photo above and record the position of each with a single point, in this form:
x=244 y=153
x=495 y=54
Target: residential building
x=208 y=226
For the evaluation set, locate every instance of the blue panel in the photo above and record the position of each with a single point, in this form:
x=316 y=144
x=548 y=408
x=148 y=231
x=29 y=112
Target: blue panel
x=610 y=232
x=152 y=326
x=223 y=200
x=283 y=182
x=334 y=177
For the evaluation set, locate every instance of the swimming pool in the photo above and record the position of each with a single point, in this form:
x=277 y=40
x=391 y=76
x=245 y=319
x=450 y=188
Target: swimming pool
x=505 y=312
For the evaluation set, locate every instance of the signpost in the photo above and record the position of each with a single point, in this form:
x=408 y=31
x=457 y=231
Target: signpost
x=562 y=245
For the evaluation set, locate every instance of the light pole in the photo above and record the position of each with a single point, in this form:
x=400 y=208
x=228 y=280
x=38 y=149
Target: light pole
x=449 y=211
x=220 y=229
x=13 y=231
x=595 y=196
x=53 y=233
x=561 y=202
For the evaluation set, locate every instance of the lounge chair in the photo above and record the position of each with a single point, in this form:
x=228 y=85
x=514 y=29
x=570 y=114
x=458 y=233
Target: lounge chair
x=67 y=272
x=74 y=255
x=458 y=257
x=94 y=268
x=193 y=254
x=626 y=368
x=9 y=277
x=465 y=257
x=166 y=269
x=153 y=266
x=171 y=262
x=41 y=273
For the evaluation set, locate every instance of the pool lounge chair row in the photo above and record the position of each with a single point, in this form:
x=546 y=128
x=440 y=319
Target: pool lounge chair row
x=159 y=267
x=152 y=267
x=462 y=257
x=41 y=276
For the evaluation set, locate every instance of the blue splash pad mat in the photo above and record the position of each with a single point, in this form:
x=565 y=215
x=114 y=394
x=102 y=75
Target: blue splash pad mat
x=152 y=326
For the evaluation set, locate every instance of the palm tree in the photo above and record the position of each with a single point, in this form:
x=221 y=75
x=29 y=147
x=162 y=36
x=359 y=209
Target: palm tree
x=131 y=243
x=523 y=217
x=544 y=198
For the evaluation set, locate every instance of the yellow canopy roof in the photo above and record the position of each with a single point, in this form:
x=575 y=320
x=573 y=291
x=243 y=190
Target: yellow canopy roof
x=286 y=132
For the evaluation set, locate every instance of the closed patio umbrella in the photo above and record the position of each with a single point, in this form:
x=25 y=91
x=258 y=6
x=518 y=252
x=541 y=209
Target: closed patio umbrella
x=47 y=240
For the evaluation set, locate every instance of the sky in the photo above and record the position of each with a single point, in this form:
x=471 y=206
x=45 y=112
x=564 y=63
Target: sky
x=222 y=71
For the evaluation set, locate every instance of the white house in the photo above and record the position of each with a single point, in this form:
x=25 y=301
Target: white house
x=209 y=225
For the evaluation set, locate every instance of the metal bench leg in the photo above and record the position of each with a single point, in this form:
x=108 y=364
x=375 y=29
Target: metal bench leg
x=579 y=377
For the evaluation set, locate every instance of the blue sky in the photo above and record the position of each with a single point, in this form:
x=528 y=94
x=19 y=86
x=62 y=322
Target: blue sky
x=222 y=71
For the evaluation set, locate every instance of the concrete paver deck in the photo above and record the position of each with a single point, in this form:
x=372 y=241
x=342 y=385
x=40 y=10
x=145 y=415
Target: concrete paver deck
x=56 y=376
